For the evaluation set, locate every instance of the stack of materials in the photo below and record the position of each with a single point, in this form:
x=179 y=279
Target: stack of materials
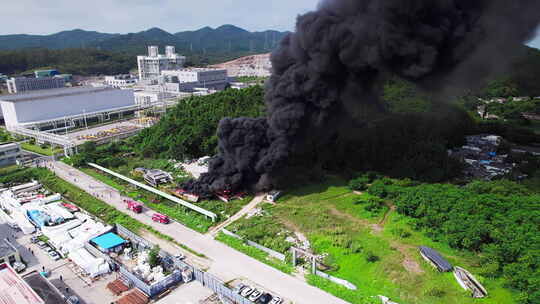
x=469 y=282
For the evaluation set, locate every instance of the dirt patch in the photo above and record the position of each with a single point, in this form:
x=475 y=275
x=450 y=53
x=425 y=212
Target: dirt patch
x=410 y=264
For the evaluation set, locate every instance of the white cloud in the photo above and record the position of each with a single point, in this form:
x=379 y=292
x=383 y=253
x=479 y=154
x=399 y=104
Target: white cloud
x=123 y=16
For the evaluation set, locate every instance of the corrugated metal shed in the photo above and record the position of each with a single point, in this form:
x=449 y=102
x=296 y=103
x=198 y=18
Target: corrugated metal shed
x=435 y=258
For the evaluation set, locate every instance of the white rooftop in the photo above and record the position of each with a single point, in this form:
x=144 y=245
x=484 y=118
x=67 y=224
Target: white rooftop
x=50 y=93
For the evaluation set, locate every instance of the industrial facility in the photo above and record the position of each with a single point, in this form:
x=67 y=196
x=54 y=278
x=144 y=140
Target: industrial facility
x=49 y=109
x=150 y=66
x=23 y=84
x=187 y=80
x=120 y=81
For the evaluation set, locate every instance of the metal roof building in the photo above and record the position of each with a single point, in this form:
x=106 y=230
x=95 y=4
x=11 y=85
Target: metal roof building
x=108 y=241
x=434 y=258
x=40 y=107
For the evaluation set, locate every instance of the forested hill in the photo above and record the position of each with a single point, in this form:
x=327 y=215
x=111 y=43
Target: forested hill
x=189 y=129
x=224 y=39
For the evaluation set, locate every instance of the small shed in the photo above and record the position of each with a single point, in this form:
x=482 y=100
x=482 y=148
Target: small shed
x=435 y=259
x=109 y=242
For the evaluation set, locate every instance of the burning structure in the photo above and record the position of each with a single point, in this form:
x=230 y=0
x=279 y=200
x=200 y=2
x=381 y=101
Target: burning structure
x=327 y=77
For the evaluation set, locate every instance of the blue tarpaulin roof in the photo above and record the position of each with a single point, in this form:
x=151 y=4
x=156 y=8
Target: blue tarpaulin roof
x=108 y=240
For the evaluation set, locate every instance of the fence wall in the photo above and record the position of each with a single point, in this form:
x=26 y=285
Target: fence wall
x=339 y=281
x=206 y=279
x=272 y=253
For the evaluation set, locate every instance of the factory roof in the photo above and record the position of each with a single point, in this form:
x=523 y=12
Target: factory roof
x=15 y=290
x=108 y=240
x=51 y=93
x=194 y=70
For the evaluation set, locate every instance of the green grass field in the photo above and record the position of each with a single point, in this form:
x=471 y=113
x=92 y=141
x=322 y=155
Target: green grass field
x=254 y=253
x=376 y=250
x=39 y=150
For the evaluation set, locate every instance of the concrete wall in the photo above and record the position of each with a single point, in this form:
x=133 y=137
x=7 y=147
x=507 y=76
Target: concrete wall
x=9 y=154
x=57 y=107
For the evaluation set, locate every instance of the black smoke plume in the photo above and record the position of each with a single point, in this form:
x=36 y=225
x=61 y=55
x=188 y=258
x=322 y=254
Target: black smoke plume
x=326 y=75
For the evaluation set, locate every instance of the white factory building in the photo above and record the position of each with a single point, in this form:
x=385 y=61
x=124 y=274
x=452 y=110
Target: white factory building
x=150 y=66
x=188 y=80
x=47 y=109
x=120 y=81
x=150 y=98
x=23 y=84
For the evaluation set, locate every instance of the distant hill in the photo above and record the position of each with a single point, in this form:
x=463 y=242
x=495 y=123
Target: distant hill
x=67 y=39
x=224 y=39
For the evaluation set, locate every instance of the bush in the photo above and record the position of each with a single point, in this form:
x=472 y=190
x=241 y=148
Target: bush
x=374 y=204
x=371 y=257
x=359 y=184
x=378 y=188
x=153 y=256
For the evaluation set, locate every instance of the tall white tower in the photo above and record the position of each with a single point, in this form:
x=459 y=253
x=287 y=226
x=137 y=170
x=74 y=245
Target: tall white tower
x=170 y=51
x=153 y=51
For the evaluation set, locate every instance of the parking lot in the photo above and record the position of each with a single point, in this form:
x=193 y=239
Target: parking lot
x=63 y=274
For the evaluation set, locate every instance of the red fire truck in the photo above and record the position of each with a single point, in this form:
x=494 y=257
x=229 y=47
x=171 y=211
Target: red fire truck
x=133 y=206
x=160 y=218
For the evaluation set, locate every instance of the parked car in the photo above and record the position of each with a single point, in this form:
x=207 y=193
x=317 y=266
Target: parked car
x=255 y=295
x=55 y=256
x=276 y=300
x=34 y=240
x=42 y=244
x=238 y=289
x=19 y=267
x=180 y=256
x=48 y=249
x=246 y=292
x=73 y=300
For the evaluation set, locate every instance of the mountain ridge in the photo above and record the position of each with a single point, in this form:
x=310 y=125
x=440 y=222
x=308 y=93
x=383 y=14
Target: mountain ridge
x=225 y=38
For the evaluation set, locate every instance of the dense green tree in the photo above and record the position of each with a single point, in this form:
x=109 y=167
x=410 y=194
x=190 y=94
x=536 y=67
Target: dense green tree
x=189 y=130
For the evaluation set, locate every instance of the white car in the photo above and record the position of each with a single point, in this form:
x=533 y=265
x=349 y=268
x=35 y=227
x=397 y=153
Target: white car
x=276 y=300
x=54 y=255
x=238 y=289
x=255 y=295
x=246 y=292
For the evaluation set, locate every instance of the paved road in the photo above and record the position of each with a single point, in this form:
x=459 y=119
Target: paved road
x=226 y=263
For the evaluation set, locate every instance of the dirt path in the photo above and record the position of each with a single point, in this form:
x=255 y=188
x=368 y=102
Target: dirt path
x=247 y=208
x=409 y=263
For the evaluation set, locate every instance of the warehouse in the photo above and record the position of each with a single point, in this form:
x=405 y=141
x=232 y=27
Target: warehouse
x=48 y=109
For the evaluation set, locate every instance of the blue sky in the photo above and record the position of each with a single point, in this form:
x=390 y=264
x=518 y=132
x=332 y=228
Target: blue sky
x=124 y=16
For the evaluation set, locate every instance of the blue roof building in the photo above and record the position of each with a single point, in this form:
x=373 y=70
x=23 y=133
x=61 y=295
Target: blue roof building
x=109 y=242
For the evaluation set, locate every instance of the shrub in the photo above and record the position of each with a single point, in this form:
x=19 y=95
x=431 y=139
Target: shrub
x=359 y=184
x=153 y=256
x=371 y=257
x=374 y=204
x=378 y=188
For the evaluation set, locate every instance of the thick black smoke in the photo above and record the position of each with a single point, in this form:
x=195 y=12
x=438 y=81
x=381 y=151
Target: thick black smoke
x=326 y=75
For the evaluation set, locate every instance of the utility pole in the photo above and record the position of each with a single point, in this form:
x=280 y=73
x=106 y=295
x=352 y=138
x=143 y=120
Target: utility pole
x=85 y=122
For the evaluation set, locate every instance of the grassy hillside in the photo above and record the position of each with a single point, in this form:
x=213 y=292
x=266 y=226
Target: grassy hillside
x=369 y=244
